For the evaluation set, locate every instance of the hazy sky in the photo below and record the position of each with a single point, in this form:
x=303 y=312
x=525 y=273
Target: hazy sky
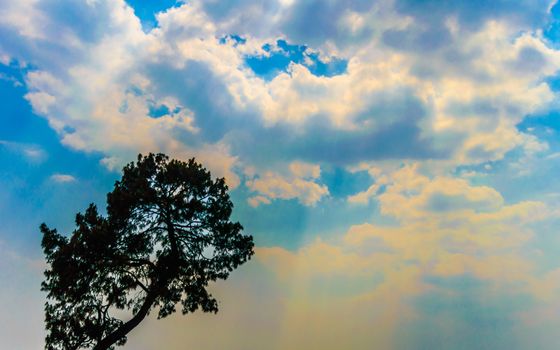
x=396 y=161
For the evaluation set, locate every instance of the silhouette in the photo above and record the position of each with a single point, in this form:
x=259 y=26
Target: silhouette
x=166 y=235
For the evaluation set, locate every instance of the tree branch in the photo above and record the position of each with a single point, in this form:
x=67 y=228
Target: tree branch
x=124 y=329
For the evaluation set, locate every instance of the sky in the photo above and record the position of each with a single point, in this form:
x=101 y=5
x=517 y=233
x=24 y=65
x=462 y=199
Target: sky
x=396 y=161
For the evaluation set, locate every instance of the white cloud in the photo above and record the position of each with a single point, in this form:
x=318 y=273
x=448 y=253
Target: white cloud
x=365 y=196
x=258 y=200
x=299 y=184
x=63 y=178
x=305 y=170
x=273 y=186
x=112 y=163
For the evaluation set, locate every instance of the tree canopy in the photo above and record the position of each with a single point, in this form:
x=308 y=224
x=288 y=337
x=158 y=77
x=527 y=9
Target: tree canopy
x=166 y=235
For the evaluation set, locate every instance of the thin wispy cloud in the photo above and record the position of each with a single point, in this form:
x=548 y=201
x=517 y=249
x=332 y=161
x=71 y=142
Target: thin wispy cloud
x=63 y=178
x=32 y=153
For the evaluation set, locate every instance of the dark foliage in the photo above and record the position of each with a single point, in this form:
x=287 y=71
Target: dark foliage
x=167 y=234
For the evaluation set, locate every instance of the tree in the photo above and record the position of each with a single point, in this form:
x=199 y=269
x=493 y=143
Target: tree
x=166 y=235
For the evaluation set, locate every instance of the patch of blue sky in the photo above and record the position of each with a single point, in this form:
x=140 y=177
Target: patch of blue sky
x=551 y=31
x=146 y=10
x=161 y=110
x=158 y=111
x=544 y=126
x=235 y=39
x=343 y=183
x=12 y=89
x=282 y=54
x=31 y=153
x=553 y=82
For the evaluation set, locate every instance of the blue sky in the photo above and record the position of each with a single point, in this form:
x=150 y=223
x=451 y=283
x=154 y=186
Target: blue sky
x=396 y=161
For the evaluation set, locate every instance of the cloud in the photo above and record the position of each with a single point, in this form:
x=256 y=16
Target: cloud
x=412 y=195
x=463 y=240
x=63 y=178
x=305 y=170
x=300 y=184
x=32 y=153
x=105 y=79
x=112 y=163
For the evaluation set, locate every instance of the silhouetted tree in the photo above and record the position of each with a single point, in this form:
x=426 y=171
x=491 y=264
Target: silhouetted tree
x=167 y=234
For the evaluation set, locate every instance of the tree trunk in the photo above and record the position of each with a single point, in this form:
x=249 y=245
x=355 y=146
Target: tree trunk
x=164 y=275
x=123 y=330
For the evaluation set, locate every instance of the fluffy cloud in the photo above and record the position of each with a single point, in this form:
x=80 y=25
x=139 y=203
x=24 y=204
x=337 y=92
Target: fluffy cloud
x=300 y=184
x=458 y=101
x=411 y=195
